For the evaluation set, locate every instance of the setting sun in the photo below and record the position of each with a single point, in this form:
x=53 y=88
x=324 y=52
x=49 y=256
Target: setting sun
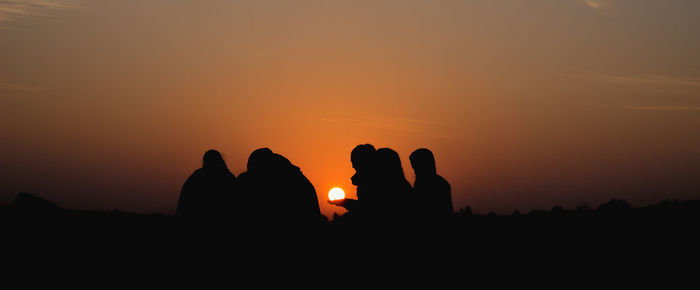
x=336 y=193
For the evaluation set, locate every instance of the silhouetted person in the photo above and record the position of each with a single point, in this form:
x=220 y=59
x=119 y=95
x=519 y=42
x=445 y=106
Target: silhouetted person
x=277 y=193
x=293 y=194
x=433 y=193
x=394 y=193
x=207 y=193
x=382 y=189
x=363 y=159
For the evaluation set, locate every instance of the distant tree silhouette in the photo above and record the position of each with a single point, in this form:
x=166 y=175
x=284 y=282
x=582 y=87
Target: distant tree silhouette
x=614 y=207
x=558 y=209
x=466 y=211
x=583 y=208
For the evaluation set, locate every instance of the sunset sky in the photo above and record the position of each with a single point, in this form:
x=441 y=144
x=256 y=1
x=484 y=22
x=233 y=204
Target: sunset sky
x=526 y=104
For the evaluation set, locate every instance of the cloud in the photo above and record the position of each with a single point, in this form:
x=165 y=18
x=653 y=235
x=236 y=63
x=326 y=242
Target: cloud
x=652 y=80
x=389 y=123
x=640 y=79
x=426 y=128
x=19 y=88
x=17 y=10
x=665 y=108
x=596 y=4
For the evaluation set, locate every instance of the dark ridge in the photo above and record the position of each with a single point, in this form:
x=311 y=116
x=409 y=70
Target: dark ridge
x=29 y=202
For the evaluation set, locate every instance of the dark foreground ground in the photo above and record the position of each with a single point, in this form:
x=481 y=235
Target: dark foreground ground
x=614 y=244
x=608 y=236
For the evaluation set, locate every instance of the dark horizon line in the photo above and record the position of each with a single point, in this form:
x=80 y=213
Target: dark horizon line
x=455 y=212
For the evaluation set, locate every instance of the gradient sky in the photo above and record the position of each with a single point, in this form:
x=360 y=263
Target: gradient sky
x=526 y=104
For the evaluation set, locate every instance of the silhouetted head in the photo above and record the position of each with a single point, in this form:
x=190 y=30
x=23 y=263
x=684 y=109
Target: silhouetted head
x=363 y=160
x=213 y=161
x=260 y=160
x=389 y=164
x=423 y=162
x=362 y=156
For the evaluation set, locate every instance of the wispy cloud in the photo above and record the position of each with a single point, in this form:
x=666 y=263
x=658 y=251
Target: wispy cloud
x=17 y=10
x=427 y=128
x=665 y=108
x=389 y=123
x=19 y=87
x=595 y=4
x=652 y=80
x=640 y=79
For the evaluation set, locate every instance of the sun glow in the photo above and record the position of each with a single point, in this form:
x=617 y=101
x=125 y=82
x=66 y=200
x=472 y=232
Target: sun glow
x=336 y=193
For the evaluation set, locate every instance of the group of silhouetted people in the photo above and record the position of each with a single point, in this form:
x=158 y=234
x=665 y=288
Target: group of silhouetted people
x=273 y=191
x=385 y=196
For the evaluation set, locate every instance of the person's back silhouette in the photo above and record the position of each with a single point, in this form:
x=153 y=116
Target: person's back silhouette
x=294 y=195
x=208 y=191
x=433 y=192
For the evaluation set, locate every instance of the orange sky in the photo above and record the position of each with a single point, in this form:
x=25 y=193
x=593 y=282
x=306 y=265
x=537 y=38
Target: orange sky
x=526 y=104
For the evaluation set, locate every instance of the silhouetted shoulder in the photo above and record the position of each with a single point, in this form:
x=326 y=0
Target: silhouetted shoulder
x=442 y=181
x=243 y=176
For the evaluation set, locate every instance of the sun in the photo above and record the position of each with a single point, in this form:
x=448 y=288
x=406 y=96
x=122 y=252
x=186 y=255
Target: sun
x=336 y=193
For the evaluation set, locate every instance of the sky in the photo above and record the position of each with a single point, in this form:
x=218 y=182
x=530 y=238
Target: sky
x=525 y=104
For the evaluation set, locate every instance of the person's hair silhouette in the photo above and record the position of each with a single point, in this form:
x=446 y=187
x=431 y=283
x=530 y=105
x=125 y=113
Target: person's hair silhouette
x=395 y=193
x=389 y=164
x=432 y=191
x=260 y=160
x=213 y=161
x=207 y=192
